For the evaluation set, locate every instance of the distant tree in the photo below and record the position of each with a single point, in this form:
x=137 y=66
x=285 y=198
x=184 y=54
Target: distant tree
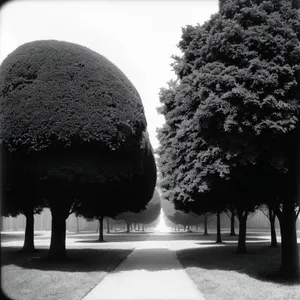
x=231 y=215
x=107 y=225
x=272 y=217
x=206 y=224
x=146 y=216
x=77 y=225
x=152 y=210
x=179 y=217
x=70 y=118
x=115 y=197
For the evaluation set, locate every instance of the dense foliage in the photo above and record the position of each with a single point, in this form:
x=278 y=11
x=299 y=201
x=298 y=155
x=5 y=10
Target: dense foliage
x=179 y=217
x=146 y=216
x=232 y=116
x=66 y=92
x=71 y=120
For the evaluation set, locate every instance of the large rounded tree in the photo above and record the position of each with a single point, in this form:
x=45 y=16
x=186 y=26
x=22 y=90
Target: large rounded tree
x=70 y=118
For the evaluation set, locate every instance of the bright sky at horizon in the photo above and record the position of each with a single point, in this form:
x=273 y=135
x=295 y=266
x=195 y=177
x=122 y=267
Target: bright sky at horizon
x=137 y=36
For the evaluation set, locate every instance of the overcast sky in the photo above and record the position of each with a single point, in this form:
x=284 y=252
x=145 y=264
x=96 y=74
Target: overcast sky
x=138 y=36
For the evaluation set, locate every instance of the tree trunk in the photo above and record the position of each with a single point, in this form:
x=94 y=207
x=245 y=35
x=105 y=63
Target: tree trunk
x=28 y=246
x=15 y=224
x=143 y=227
x=289 y=248
x=100 y=239
x=57 y=249
x=242 y=216
x=272 y=218
x=107 y=225
x=232 y=226
x=205 y=225
x=219 y=239
x=188 y=227
x=97 y=229
x=128 y=227
x=77 y=225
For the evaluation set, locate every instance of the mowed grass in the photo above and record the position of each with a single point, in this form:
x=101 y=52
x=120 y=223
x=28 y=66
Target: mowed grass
x=30 y=277
x=88 y=237
x=221 y=274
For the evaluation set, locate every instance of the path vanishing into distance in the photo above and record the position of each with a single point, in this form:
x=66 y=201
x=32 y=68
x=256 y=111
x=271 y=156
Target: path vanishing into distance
x=151 y=271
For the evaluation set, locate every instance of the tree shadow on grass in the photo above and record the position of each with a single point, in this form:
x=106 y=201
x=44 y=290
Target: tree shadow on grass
x=96 y=241
x=78 y=260
x=88 y=260
x=19 y=236
x=260 y=262
x=233 y=241
x=111 y=238
x=83 y=233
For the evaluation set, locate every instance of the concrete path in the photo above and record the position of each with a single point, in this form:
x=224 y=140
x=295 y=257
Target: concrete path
x=148 y=273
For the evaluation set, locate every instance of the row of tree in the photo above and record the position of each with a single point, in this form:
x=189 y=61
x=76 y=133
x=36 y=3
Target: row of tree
x=144 y=217
x=230 y=140
x=73 y=138
x=147 y=216
x=175 y=217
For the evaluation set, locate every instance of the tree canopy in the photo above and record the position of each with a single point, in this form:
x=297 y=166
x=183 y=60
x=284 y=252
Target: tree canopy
x=67 y=92
x=70 y=118
x=180 y=217
x=232 y=116
x=146 y=216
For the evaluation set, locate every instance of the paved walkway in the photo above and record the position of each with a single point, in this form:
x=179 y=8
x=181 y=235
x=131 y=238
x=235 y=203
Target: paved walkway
x=148 y=273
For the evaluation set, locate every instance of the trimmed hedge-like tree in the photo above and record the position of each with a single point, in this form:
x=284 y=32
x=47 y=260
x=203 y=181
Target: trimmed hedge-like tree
x=70 y=118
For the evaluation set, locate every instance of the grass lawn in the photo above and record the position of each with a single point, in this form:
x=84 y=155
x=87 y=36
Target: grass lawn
x=221 y=274
x=30 y=277
x=89 y=237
